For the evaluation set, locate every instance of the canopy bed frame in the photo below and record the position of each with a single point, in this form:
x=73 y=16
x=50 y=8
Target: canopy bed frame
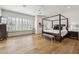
x=58 y=36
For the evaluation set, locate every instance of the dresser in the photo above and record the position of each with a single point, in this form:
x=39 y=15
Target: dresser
x=3 y=32
x=73 y=35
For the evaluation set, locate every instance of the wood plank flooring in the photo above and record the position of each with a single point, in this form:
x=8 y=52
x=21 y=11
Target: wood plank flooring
x=36 y=44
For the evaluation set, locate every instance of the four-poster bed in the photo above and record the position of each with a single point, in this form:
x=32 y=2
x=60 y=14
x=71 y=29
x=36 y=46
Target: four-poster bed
x=55 y=26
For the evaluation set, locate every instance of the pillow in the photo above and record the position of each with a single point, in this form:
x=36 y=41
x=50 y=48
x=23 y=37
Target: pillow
x=56 y=27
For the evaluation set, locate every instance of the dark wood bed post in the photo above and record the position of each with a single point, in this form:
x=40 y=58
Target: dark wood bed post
x=67 y=25
x=52 y=24
x=42 y=25
x=0 y=18
x=60 y=27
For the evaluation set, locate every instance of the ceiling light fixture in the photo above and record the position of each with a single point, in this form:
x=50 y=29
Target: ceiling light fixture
x=24 y=5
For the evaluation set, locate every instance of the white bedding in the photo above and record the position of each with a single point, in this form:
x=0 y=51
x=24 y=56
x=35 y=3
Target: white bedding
x=63 y=32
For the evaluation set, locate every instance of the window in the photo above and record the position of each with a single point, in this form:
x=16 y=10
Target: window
x=18 y=24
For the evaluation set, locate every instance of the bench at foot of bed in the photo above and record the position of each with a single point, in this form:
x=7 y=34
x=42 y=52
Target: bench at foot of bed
x=50 y=36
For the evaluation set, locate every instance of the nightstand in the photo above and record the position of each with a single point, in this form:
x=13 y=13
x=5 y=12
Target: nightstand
x=73 y=35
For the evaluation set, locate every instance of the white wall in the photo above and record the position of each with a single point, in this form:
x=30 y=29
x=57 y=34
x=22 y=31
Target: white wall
x=73 y=17
x=0 y=12
x=38 y=19
x=36 y=24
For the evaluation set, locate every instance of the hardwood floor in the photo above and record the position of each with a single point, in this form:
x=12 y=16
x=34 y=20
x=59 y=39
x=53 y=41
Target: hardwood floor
x=36 y=44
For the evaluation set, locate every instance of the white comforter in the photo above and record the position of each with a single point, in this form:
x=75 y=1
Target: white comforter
x=63 y=32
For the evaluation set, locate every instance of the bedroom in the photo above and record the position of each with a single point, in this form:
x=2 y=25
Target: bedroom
x=22 y=29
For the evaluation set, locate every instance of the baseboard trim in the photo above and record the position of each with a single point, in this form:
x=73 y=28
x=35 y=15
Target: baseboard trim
x=38 y=33
x=21 y=35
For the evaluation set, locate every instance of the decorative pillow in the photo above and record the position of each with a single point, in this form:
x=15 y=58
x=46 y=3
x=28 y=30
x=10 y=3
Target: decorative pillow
x=56 y=27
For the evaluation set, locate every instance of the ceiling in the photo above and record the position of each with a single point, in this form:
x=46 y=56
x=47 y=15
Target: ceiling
x=45 y=10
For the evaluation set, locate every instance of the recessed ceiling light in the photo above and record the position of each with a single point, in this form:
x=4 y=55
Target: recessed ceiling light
x=68 y=7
